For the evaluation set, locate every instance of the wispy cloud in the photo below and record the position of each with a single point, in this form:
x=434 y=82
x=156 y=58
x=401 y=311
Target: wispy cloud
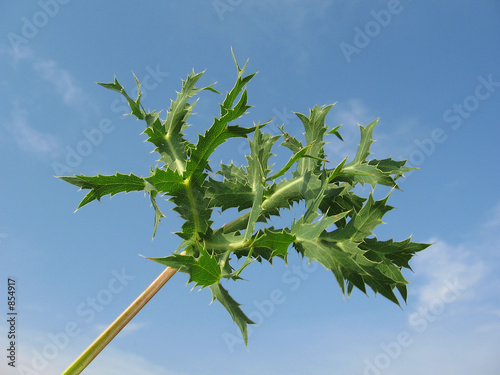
x=473 y=263
x=18 y=54
x=28 y=138
x=61 y=79
x=37 y=354
x=118 y=362
x=453 y=325
x=51 y=72
x=443 y=264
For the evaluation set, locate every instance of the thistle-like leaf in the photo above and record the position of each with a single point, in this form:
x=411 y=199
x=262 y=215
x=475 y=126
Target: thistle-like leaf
x=276 y=243
x=298 y=155
x=398 y=253
x=203 y=271
x=315 y=130
x=190 y=200
x=336 y=228
x=168 y=135
x=100 y=185
x=258 y=169
x=167 y=181
x=364 y=222
x=229 y=193
x=365 y=142
x=290 y=141
x=220 y=130
x=220 y=294
x=151 y=190
x=135 y=105
x=335 y=131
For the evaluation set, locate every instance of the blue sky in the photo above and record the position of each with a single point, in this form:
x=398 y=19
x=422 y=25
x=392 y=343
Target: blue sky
x=430 y=71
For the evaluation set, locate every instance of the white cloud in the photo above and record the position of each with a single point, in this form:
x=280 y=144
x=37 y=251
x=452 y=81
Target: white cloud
x=118 y=362
x=451 y=352
x=26 y=137
x=17 y=54
x=442 y=264
x=61 y=79
x=36 y=354
x=453 y=325
x=49 y=70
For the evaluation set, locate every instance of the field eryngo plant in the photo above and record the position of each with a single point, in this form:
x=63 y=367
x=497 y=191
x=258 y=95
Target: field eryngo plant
x=335 y=229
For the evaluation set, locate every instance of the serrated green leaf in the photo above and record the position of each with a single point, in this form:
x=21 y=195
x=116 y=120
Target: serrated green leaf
x=290 y=142
x=333 y=255
x=398 y=253
x=203 y=271
x=365 y=142
x=364 y=173
x=135 y=105
x=229 y=194
x=403 y=291
x=168 y=135
x=172 y=148
x=220 y=294
x=214 y=137
x=339 y=199
x=335 y=131
x=206 y=271
x=315 y=130
x=158 y=214
x=167 y=181
x=277 y=242
x=364 y=221
x=183 y=263
x=260 y=152
x=340 y=239
x=393 y=167
x=190 y=200
x=383 y=172
x=101 y=185
x=231 y=172
x=299 y=154
x=220 y=131
x=338 y=169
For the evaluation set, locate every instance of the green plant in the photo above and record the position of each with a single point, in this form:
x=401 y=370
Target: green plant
x=335 y=229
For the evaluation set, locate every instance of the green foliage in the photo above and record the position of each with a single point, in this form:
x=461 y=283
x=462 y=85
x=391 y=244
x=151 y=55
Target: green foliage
x=335 y=230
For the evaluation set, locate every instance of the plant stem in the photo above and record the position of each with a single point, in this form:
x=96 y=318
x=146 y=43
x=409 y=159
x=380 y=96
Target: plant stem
x=238 y=223
x=284 y=193
x=109 y=334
